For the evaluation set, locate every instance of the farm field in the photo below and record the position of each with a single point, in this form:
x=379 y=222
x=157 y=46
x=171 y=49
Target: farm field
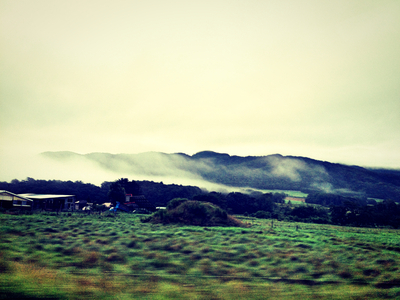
x=289 y=193
x=83 y=256
x=297 y=199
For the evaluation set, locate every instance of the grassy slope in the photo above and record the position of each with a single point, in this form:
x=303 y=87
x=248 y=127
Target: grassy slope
x=84 y=256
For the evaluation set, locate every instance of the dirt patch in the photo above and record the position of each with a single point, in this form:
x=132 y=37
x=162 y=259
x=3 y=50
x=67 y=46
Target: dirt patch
x=296 y=199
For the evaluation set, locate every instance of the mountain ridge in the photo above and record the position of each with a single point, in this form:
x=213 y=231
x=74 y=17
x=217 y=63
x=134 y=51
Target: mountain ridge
x=273 y=171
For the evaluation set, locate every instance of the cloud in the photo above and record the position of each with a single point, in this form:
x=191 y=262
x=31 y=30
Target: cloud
x=99 y=167
x=316 y=78
x=286 y=167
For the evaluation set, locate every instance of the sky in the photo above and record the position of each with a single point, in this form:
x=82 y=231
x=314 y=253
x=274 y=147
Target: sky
x=319 y=79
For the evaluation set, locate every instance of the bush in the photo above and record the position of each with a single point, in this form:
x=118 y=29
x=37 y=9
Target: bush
x=5 y=266
x=116 y=258
x=220 y=213
x=175 y=203
x=262 y=214
x=146 y=219
x=91 y=258
x=194 y=213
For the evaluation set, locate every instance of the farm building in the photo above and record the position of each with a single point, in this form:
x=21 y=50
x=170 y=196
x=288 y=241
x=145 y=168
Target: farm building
x=138 y=201
x=10 y=200
x=51 y=202
x=83 y=205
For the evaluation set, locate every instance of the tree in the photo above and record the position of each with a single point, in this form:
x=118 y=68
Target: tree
x=213 y=197
x=266 y=202
x=131 y=187
x=279 y=197
x=116 y=193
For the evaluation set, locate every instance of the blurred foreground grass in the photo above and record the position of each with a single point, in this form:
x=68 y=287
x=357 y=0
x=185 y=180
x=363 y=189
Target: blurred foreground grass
x=90 y=256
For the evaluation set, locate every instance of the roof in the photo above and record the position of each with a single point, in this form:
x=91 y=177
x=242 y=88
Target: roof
x=44 y=196
x=15 y=195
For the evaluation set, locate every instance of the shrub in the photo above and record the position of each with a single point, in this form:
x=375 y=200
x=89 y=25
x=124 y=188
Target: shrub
x=194 y=213
x=220 y=213
x=262 y=214
x=116 y=258
x=132 y=244
x=106 y=266
x=5 y=266
x=175 y=203
x=146 y=219
x=91 y=258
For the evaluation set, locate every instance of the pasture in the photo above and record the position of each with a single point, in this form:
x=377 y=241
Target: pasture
x=83 y=256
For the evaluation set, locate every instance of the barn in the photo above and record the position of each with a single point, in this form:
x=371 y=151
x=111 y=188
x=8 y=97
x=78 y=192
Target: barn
x=138 y=202
x=51 y=202
x=10 y=200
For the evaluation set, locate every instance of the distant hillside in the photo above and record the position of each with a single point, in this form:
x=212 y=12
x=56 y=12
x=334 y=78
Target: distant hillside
x=259 y=172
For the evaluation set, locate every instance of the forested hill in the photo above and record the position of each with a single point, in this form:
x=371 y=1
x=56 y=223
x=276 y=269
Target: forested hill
x=260 y=172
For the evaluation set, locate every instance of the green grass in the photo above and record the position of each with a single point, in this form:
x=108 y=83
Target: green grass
x=289 y=193
x=91 y=256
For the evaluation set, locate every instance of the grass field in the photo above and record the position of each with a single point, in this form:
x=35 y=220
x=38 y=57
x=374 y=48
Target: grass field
x=290 y=193
x=99 y=257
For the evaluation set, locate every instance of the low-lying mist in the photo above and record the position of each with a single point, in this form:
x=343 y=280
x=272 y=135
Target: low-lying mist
x=96 y=168
x=209 y=171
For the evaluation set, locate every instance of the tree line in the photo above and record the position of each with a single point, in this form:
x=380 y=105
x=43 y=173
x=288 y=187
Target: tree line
x=358 y=211
x=320 y=207
x=158 y=193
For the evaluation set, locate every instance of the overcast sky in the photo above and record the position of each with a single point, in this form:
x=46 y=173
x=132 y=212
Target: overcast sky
x=308 y=78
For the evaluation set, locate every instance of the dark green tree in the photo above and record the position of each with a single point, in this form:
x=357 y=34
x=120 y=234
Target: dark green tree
x=116 y=193
x=131 y=187
x=213 y=197
x=266 y=202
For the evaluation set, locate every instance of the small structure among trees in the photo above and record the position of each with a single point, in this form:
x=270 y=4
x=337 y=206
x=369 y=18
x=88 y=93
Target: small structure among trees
x=129 y=196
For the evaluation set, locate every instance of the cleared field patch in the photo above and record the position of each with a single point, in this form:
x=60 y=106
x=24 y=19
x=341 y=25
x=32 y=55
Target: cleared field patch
x=299 y=199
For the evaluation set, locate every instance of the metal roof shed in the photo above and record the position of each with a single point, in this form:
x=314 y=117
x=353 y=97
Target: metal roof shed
x=51 y=201
x=9 y=200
